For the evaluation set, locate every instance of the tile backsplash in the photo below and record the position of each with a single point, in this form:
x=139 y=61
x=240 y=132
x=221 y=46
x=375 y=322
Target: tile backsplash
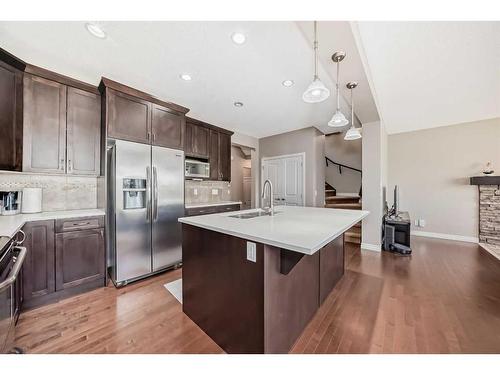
x=58 y=192
x=203 y=191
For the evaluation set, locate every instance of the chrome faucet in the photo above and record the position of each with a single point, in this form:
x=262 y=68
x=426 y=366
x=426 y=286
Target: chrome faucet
x=269 y=209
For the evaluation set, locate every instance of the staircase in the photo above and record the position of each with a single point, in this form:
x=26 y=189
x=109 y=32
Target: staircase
x=332 y=200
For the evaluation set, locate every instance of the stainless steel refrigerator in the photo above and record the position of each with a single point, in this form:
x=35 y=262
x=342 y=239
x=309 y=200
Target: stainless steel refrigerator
x=145 y=199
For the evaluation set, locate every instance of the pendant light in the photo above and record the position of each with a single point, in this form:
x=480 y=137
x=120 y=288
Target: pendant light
x=338 y=120
x=353 y=132
x=316 y=92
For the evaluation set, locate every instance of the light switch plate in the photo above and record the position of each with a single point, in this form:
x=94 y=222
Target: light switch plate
x=195 y=191
x=251 y=251
x=215 y=192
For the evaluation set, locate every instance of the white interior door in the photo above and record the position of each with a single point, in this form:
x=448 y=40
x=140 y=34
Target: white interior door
x=287 y=176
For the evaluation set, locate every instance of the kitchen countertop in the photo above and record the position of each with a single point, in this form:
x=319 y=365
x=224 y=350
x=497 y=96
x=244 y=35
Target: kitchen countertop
x=225 y=203
x=301 y=229
x=9 y=225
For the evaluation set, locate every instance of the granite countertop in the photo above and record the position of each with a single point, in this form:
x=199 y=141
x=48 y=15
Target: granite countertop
x=301 y=229
x=9 y=225
x=213 y=204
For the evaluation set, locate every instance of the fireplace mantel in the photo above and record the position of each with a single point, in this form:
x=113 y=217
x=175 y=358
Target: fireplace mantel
x=485 y=180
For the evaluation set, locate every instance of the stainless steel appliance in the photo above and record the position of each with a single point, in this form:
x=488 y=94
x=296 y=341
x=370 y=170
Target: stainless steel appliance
x=197 y=169
x=145 y=199
x=11 y=202
x=11 y=261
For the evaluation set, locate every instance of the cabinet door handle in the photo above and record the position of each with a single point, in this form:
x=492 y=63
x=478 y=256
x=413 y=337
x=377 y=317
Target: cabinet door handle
x=62 y=165
x=149 y=136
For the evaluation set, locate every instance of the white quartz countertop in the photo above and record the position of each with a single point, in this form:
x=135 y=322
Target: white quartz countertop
x=213 y=204
x=301 y=229
x=9 y=225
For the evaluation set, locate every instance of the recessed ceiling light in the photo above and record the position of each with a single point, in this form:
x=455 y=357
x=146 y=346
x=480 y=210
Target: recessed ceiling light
x=185 y=77
x=287 y=83
x=238 y=38
x=238 y=104
x=95 y=30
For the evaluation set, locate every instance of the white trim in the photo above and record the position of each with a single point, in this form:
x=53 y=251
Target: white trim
x=302 y=155
x=445 y=236
x=371 y=247
x=495 y=251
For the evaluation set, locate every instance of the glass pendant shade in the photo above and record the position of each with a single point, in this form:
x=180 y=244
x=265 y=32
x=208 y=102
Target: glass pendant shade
x=352 y=134
x=316 y=92
x=338 y=120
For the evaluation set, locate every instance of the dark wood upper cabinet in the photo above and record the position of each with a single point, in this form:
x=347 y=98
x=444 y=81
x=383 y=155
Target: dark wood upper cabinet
x=188 y=138
x=44 y=117
x=225 y=156
x=38 y=267
x=83 y=132
x=79 y=258
x=11 y=118
x=214 y=155
x=128 y=117
x=200 y=144
x=167 y=127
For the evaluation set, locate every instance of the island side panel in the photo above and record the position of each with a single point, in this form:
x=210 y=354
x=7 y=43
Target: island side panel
x=223 y=292
x=290 y=301
x=331 y=266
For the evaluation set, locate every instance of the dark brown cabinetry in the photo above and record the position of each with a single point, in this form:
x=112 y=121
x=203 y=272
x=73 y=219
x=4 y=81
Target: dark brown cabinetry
x=225 y=156
x=197 y=139
x=38 y=268
x=11 y=117
x=133 y=115
x=167 y=127
x=61 y=128
x=206 y=210
x=65 y=257
x=83 y=132
x=128 y=117
x=44 y=145
x=220 y=155
x=79 y=257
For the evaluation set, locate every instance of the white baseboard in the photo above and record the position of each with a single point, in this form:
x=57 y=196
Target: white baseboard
x=371 y=247
x=445 y=236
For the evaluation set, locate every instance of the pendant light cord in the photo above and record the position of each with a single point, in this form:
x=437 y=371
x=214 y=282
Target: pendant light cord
x=338 y=90
x=352 y=108
x=315 y=50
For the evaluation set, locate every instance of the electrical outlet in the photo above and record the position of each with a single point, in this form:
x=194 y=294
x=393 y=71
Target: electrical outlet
x=251 y=251
x=195 y=191
x=421 y=222
x=215 y=191
x=417 y=223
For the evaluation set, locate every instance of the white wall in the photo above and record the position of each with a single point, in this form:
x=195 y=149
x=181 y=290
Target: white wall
x=374 y=160
x=432 y=169
x=238 y=163
x=311 y=142
x=253 y=144
x=347 y=153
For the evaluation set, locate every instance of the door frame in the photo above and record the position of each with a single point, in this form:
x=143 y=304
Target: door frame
x=299 y=154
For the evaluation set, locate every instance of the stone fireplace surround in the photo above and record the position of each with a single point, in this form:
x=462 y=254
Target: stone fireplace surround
x=489 y=213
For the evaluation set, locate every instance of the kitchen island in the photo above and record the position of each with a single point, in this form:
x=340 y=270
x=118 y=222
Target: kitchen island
x=252 y=283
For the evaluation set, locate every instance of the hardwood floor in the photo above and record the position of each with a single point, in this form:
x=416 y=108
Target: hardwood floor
x=445 y=298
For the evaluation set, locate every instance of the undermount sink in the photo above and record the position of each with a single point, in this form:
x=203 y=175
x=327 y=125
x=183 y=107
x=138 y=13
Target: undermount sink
x=250 y=215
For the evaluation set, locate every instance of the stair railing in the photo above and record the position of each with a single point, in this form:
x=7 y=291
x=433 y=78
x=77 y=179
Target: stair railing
x=327 y=159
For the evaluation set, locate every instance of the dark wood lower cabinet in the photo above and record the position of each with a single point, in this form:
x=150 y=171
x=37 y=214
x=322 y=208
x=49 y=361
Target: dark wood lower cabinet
x=38 y=268
x=79 y=258
x=59 y=265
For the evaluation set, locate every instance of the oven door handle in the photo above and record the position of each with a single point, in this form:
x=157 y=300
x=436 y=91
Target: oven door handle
x=14 y=272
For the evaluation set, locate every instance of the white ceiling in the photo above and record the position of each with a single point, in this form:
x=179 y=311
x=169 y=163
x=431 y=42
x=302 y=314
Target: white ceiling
x=430 y=74
x=150 y=56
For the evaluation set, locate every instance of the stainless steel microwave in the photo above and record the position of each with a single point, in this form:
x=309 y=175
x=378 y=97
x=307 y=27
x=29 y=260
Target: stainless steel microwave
x=197 y=169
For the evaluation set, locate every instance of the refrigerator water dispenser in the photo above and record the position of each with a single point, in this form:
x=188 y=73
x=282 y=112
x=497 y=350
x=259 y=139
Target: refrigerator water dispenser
x=134 y=193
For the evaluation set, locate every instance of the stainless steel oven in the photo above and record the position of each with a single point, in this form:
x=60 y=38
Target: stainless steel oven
x=12 y=256
x=197 y=169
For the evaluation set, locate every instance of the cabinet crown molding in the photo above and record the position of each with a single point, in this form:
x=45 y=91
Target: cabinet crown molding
x=108 y=83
